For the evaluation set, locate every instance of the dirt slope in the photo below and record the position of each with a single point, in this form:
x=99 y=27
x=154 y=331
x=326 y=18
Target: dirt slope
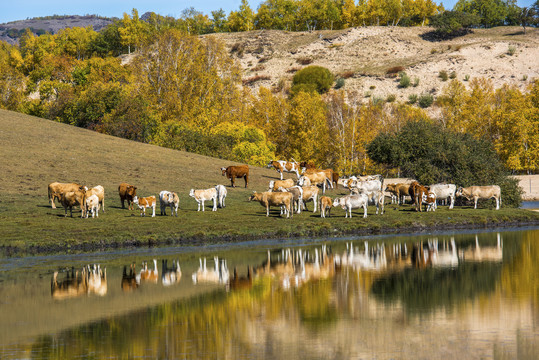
x=367 y=52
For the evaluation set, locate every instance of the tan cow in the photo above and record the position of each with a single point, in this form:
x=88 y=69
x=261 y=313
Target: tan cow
x=316 y=178
x=268 y=199
x=233 y=172
x=418 y=193
x=481 y=192
x=145 y=202
x=310 y=193
x=146 y=274
x=274 y=185
x=99 y=191
x=73 y=198
x=330 y=174
x=127 y=192
x=325 y=206
x=56 y=190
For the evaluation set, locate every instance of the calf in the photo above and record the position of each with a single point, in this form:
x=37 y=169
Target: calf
x=221 y=195
x=92 y=205
x=233 y=172
x=482 y=192
x=325 y=206
x=56 y=189
x=430 y=200
x=145 y=202
x=170 y=199
x=276 y=184
x=268 y=199
x=350 y=202
x=127 y=192
x=73 y=198
x=202 y=195
x=400 y=191
x=99 y=191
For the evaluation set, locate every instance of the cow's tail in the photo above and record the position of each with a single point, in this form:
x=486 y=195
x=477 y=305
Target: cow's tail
x=381 y=177
x=329 y=181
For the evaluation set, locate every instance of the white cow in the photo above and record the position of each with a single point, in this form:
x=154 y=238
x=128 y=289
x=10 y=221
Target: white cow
x=167 y=198
x=444 y=191
x=92 y=205
x=350 y=202
x=221 y=195
x=202 y=195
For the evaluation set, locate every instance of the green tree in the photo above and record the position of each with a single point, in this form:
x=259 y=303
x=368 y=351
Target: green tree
x=312 y=77
x=429 y=153
x=241 y=20
x=133 y=30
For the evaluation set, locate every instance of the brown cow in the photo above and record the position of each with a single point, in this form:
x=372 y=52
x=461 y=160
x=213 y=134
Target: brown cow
x=127 y=192
x=56 y=190
x=129 y=282
x=72 y=198
x=325 y=206
x=417 y=192
x=233 y=172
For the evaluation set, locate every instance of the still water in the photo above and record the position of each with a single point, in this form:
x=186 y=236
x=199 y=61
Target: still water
x=444 y=296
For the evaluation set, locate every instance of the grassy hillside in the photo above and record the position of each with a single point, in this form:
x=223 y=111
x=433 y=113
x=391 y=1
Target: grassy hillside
x=35 y=152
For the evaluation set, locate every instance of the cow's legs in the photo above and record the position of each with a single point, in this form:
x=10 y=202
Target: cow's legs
x=365 y=211
x=153 y=210
x=451 y=201
x=214 y=204
x=232 y=178
x=475 y=203
x=203 y=201
x=267 y=210
x=281 y=173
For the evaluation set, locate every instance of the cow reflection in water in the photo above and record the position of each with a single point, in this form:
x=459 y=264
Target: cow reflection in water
x=171 y=276
x=129 y=281
x=146 y=274
x=297 y=268
x=91 y=280
x=240 y=283
x=485 y=253
x=433 y=255
x=218 y=275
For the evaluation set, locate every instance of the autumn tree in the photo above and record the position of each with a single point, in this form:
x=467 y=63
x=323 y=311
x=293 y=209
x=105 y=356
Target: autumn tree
x=132 y=31
x=241 y=20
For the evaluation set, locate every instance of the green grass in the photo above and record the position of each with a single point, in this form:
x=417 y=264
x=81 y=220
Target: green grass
x=36 y=152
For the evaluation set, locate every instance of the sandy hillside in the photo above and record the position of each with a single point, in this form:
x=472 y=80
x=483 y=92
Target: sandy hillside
x=367 y=52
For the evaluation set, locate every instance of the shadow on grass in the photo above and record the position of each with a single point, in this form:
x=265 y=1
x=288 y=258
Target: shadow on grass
x=521 y=32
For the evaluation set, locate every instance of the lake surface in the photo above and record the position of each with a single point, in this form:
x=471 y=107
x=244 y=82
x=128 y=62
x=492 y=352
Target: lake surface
x=446 y=296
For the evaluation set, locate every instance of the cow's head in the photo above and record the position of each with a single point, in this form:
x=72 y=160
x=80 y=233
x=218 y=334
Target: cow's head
x=255 y=196
x=459 y=192
x=131 y=190
x=169 y=197
x=270 y=164
x=223 y=171
x=135 y=200
x=192 y=193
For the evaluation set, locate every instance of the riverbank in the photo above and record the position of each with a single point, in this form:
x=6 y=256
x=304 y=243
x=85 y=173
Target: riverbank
x=44 y=230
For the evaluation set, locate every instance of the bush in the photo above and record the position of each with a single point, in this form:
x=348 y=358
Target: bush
x=391 y=98
x=253 y=79
x=443 y=75
x=430 y=153
x=395 y=70
x=404 y=81
x=452 y=23
x=453 y=75
x=377 y=100
x=339 y=83
x=317 y=76
x=425 y=100
x=416 y=82
x=511 y=50
x=347 y=74
x=466 y=77
x=304 y=60
x=412 y=99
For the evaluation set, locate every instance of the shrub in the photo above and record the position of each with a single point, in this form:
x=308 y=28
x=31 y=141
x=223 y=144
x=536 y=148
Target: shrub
x=412 y=99
x=347 y=74
x=372 y=87
x=318 y=76
x=431 y=153
x=391 y=98
x=425 y=100
x=404 y=81
x=308 y=88
x=443 y=75
x=416 y=82
x=293 y=70
x=253 y=79
x=524 y=77
x=453 y=23
x=368 y=94
x=339 y=83
x=433 y=51
x=453 y=75
x=395 y=70
x=377 y=100
x=304 y=60
x=466 y=77
x=511 y=50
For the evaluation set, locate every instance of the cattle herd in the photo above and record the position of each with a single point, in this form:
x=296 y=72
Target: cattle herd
x=290 y=195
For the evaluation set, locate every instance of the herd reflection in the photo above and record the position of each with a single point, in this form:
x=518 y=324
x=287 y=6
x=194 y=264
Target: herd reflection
x=341 y=300
x=289 y=268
